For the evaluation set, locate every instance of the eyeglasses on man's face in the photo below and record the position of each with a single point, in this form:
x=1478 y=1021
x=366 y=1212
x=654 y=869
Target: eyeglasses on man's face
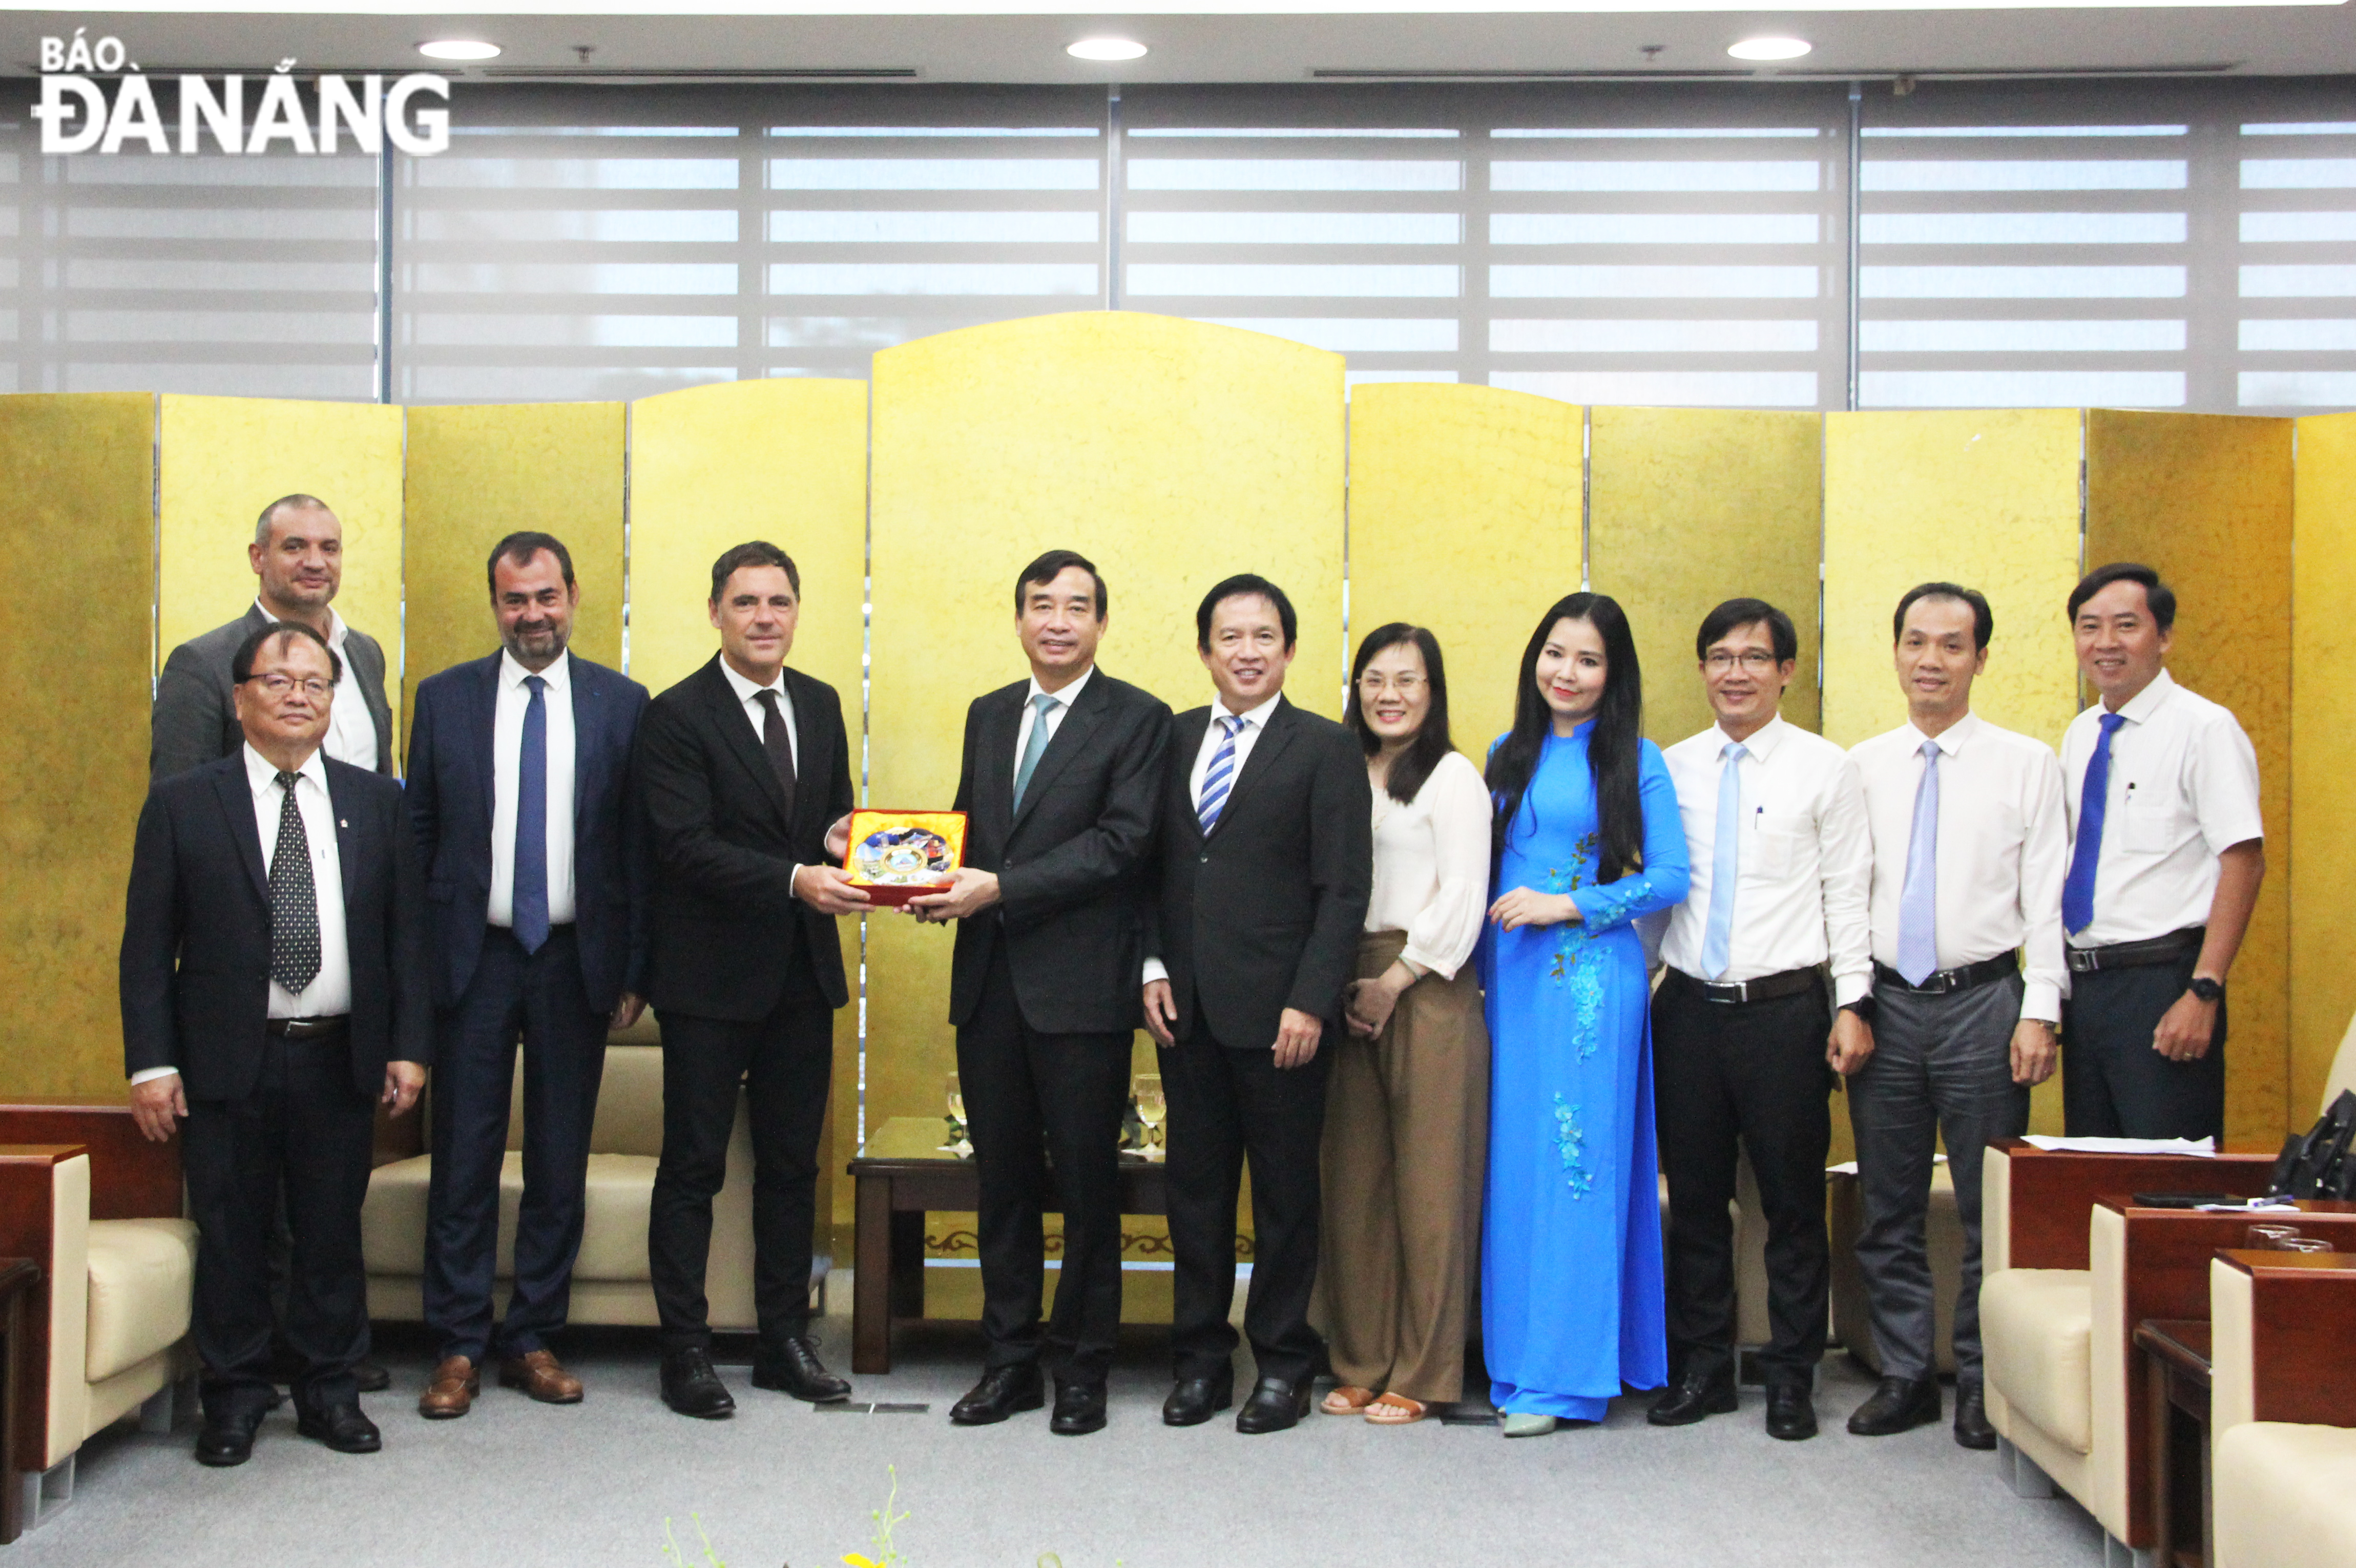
x=1752 y=661
x=277 y=686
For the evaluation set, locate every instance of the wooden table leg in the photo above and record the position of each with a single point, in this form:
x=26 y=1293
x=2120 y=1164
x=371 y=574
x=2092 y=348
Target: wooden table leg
x=871 y=1281
x=908 y=1262
x=2160 y=1417
x=15 y=1369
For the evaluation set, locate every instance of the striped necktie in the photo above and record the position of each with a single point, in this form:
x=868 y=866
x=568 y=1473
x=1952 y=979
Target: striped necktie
x=1220 y=776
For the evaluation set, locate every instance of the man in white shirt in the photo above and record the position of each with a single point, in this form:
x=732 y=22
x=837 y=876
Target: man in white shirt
x=273 y=993
x=1744 y=1043
x=1970 y=838
x=519 y=773
x=2166 y=856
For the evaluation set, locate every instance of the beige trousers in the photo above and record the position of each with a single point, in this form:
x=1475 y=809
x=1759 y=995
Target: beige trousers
x=1406 y=1120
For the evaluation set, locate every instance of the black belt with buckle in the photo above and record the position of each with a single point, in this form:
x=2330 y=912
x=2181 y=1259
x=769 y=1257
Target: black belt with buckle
x=1765 y=989
x=2170 y=949
x=310 y=1029
x=1948 y=981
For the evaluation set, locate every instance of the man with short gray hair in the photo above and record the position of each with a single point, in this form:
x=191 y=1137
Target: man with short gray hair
x=298 y=554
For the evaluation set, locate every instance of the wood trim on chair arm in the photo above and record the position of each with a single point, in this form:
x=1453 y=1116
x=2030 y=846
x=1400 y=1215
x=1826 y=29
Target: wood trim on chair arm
x=2302 y=1335
x=27 y=1230
x=2053 y=1192
x=130 y=1178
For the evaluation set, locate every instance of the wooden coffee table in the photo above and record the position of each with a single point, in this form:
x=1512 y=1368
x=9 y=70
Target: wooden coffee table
x=17 y=1278
x=2176 y=1395
x=901 y=1174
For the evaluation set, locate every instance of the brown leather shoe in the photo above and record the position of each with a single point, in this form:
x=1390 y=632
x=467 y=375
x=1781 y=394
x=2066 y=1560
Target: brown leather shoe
x=539 y=1375
x=450 y=1392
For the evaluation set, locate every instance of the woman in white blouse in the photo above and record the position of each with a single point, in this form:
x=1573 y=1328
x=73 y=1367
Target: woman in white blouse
x=1407 y=1104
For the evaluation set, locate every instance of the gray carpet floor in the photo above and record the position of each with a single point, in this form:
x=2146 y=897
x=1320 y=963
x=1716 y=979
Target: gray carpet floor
x=517 y=1484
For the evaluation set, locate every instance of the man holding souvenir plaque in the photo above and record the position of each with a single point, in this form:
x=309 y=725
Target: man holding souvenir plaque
x=745 y=771
x=1061 y=784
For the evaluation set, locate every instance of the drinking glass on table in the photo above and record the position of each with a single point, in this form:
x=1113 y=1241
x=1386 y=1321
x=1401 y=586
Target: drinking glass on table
x=2271 y=1238
x=2308 y=1244
x=1152 y=1108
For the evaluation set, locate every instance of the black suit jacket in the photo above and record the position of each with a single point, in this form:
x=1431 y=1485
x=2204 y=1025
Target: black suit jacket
x=1070 y=862
x=726 y=925
x=195 y=930
x=195 y=717
x=1266 y=913
x=452 y=783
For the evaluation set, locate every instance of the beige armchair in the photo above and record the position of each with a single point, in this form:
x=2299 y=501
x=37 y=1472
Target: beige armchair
x=1752 y=1328
x=2281 y=1409
x=610 y=1283
x=1852 y=1308
x=99 y=1209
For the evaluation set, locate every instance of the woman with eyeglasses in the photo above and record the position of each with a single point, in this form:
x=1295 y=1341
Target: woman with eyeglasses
x=1407 y=1104
x=1588 y=840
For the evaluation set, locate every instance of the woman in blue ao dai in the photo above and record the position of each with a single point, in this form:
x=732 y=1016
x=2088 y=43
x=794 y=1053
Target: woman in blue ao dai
x=1588 y=840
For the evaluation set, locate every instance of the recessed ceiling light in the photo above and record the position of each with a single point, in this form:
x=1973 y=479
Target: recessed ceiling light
x=1106 y=49
x=458 y=50
x=1770 y=48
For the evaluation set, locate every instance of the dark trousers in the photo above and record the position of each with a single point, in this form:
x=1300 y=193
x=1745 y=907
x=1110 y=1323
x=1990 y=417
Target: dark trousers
x=537 y=998
x=1227 y=1106
x=785 y=1063
x=308 y=1129
x=2114 y=1084
x=1031 y=1098
x=1942 y=1065
x=1753 y=1072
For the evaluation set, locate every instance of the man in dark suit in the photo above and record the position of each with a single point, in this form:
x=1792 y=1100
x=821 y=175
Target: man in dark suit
x=518 y=783
x=273 y=990
x=298 y=554
x=744 y=772
x=1264 y=866
x=1061 y=784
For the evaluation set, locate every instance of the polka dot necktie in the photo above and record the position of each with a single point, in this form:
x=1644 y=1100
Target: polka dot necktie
x=294 y=901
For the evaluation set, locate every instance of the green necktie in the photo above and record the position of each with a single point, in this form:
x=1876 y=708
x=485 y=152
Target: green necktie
x=1034 y=747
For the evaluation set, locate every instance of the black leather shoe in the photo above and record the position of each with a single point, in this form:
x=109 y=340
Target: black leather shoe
x=227 y=1440
x=1080 y=1410
x=341 y=1427
x=1791 y=1409
x=1275 y=1405
x=1693 y=1396
x=794 y=1368
x=1001 y=1392
x=371 y=1377
x=1972 y=1428
x=1195 y=1399
x=690 y=1387
x=1898 y=1405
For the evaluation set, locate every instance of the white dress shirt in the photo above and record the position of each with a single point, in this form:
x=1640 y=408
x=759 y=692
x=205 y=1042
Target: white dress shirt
x=1059 y=704
x=1255 y=721
x=1432 y=865
x=1804 y=857
x=748 y=698
x=2183 y=790
x=507 y=755
x=329 y=993
x=2004 y=846
x=351 y=732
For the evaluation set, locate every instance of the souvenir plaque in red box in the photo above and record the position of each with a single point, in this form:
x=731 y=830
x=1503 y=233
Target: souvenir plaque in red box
x=897 y=855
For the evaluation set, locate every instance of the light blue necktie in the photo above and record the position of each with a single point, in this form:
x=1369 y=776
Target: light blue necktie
x=1918 y=902
x=1725 y=863
x=2093 y=805
x=1041 y=706
x=528 y=904
x=1219 y=777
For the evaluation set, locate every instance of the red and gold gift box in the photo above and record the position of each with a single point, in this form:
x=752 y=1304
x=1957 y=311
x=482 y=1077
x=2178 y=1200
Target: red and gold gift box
x=897 y=855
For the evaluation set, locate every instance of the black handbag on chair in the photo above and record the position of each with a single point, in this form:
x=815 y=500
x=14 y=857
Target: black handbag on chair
x=2318 y=1163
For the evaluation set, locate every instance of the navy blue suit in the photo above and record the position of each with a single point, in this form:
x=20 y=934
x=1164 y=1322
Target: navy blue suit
x=489 y=993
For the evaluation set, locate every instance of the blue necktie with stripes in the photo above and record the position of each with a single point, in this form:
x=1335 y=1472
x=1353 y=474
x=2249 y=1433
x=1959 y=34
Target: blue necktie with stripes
x=1220 y=776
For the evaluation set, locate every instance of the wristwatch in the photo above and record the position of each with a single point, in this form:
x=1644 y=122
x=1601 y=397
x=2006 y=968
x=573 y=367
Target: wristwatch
x=1862 y=1008
x=2205 y=988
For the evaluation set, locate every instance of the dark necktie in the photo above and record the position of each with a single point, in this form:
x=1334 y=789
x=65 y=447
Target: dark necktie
x=527 y=907
x=294 y=901
x=778 y=741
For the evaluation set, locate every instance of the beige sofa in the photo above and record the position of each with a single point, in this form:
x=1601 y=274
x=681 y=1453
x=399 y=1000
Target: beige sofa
x=2282 y=1411
x=99 y=1211
x=1852 y=1307
x=610 y=1281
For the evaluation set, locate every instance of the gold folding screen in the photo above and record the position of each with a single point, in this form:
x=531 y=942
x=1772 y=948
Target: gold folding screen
x=221 y=460
x=476 y=474
x=2206 y=499
x=79 y=504
x=2321 y=868
x=1688 y=507
x=1443 y=479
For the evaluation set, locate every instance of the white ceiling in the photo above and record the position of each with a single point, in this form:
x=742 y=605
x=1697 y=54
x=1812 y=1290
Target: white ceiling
x=1196 y=46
